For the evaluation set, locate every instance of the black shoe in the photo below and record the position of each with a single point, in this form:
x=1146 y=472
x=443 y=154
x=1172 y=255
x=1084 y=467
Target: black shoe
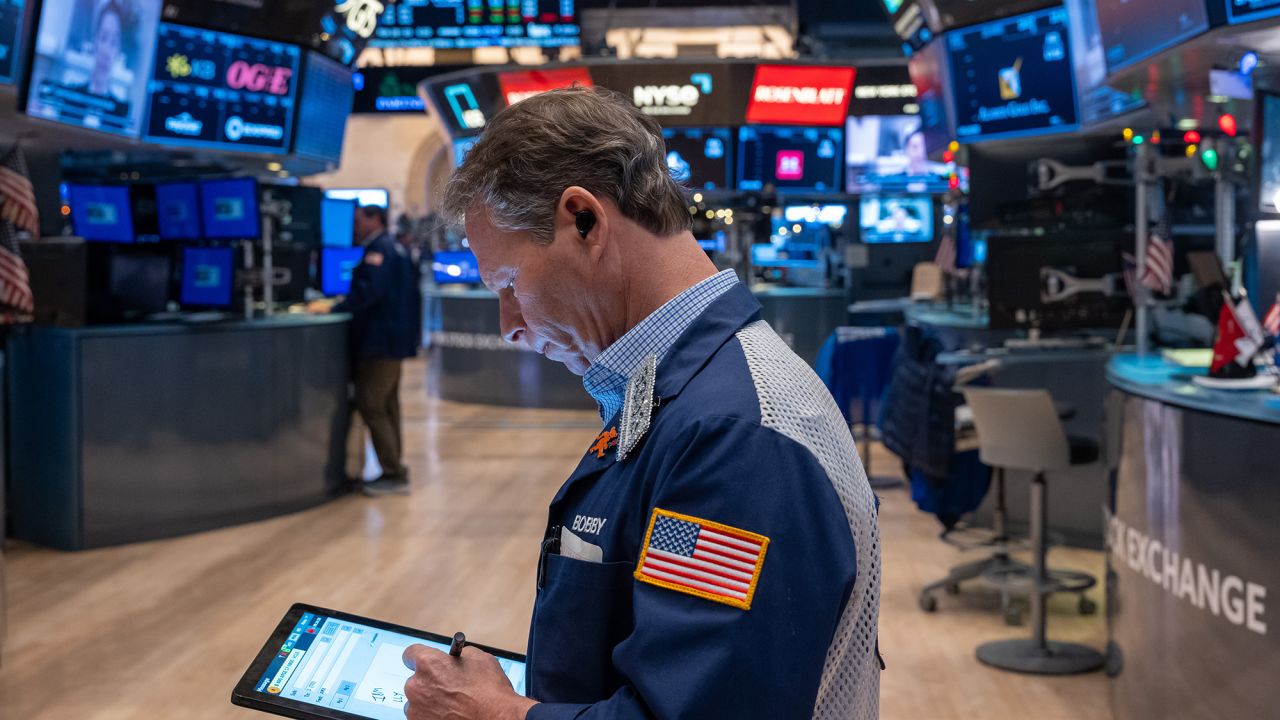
x=387 y=485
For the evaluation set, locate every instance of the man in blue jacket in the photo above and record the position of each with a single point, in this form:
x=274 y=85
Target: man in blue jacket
x=385 y=303
x=716 y=553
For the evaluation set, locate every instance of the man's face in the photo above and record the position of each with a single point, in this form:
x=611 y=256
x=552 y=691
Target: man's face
x=364 y=226
x=548 y=295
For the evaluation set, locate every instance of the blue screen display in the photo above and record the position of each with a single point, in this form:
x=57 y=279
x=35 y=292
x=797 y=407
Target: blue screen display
x=362 y=196
x=471 y=24
x=790 y=158
x=10 y=38
x=1133 y=30
x=1242 y=11
x=896 y=219
x=101 y=213
x=208 y=276
x=337 y=222
x=700 y=158
x=323 y=108
x=230 y=209
x=928 y=70
x=213 y=89
x=1013 y=77
x=1098 y=101
x=458 y=266
x=461 y=147
x=336 y=266
x=178 y=211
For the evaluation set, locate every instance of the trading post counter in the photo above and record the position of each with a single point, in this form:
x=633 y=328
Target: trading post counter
x=1192 y=536
x=133 y=432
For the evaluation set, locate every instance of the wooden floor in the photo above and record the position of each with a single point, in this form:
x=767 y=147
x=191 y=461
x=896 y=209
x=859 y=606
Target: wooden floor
x=163 y=629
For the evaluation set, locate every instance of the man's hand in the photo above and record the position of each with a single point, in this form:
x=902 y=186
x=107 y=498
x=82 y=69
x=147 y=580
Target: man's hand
x=471 y=687
x=320 y=307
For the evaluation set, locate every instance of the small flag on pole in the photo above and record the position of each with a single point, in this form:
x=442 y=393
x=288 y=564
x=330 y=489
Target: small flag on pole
x=1271 y=321
x=1157 y=271
x=18 y=215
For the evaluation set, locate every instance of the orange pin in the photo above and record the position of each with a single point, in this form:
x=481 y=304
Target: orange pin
x=604 y=441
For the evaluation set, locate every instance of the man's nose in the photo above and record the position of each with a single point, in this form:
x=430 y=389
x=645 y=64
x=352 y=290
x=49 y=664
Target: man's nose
x=511 y=321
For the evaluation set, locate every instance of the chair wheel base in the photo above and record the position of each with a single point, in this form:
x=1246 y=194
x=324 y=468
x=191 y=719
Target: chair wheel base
x=1025 y=656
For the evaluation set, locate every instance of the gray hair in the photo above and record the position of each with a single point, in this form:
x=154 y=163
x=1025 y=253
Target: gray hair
x=592 y=138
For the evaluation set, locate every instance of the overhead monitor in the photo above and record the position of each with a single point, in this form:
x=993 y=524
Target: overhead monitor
x=336 y=268
x=11 y=27
x=954 y=14
x=466 y=103
x=928 y=70
x=455 y=267
x=889 y=153
x=299 y=22
x=471 y=24
x=337 y=222
x=102 y=213
x=800 y=95
x=208 y=276
x=700 y=158
x=1269 y=160
x=91 y=63
x=1013 y=77
x=1243 y=11
x=520 y=85
x=178 y=211
x=362 y=196
x=1098 y=102
x=324 y=103
x=229 y=209
x=1134 y=30
x=896 y=219
x=217 y=90
x=790 y=159
x=801 y=231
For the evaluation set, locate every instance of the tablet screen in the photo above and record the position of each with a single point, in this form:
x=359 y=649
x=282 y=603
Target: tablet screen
x=351 y=667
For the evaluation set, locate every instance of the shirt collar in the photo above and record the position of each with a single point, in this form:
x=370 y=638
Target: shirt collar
x=606 y=379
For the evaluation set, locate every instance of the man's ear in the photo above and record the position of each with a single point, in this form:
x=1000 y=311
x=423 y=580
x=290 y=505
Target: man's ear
x=582 y=218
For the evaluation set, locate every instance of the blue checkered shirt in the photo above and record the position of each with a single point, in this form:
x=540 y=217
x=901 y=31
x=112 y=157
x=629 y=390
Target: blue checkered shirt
x=608 y=375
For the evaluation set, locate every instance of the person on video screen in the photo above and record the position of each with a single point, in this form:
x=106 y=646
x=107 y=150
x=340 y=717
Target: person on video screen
x=898 y=221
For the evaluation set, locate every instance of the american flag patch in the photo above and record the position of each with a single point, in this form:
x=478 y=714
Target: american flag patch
x=702 y=558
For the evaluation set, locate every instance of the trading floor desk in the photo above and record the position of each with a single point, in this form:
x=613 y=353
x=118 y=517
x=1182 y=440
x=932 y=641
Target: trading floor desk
x=133 y=432
x=1192 y=557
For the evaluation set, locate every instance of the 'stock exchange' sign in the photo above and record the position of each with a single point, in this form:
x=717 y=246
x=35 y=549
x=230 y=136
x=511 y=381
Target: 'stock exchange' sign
x=220 y=90
x=674 y=94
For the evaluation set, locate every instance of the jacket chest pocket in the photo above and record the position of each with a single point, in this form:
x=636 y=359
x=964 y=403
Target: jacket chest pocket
x=582 y=612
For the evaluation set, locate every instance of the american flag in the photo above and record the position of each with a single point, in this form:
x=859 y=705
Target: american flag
x=1271 y=321
x=17 y=214
x=1130 y=274
x=945 y=258
x=702 y=558
x=1157 y=271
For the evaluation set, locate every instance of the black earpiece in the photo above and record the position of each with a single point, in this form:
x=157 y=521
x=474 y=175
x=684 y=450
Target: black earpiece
x=585 y=220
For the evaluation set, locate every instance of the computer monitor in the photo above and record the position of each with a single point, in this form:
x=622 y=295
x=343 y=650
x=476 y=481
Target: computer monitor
x=888 y=153
x=1016 y=288
x=208 y=277
x=896 y=219
x=178 y=211
x=455 y=267
x=102 y=213
x=337 y=222
x=128 y=282
x=324 y=104
x=230 y=209
x=700 y=158
x=789 y=158
x=297 y=258
x=1268 y=131
x=362 y=196
x=336 y=267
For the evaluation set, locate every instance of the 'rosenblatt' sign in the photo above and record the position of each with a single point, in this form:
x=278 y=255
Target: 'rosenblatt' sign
x=800 y=95
x=522 y=85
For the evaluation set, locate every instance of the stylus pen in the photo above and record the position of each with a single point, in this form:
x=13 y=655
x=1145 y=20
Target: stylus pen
x=459 y=642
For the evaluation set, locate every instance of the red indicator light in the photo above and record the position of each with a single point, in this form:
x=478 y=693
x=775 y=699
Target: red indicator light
x=1227 y=123
x=1191 y=137
x=948 y=156
x=954 y=182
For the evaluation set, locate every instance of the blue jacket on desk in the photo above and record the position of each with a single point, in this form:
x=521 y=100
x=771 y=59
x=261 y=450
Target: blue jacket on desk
x=727 y=565
x=385 y=302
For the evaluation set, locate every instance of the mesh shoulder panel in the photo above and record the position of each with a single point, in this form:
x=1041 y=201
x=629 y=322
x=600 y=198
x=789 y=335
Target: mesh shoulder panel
x=795 y=403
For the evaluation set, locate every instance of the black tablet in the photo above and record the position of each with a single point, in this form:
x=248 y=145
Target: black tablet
x=325 y=664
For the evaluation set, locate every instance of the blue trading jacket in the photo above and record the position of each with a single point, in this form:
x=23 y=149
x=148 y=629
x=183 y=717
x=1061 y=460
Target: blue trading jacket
x=385 y=303
x=744 y=437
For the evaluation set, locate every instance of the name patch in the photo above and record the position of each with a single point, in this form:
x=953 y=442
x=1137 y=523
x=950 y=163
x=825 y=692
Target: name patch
x=588 y=525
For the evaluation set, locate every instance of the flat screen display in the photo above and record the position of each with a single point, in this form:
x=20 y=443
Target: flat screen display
x=800 y=95
x=178 y=211
x=520 y=85
x=1242 y=11
x=785 y=158
x=213 y=89
x=962 y=13
x=1133 y=30
x=928 y=70
x=1269 y=163
x=336 y=266
x=229 y=209
x=679 y=94
x=1013 y=77
x=699 y=158
x=102 y=213
x=472 y=24
x=458 y=266
x=208 y=276
x=362 y=196
x=896 y=219
x=337 y=222
x=91 y=64
x=889 y=153
x=1098 y=101
x=323 y=107
x=11 y=18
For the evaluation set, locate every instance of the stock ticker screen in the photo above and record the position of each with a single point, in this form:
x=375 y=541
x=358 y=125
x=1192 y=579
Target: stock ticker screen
x=477 y=23
x=213 y=89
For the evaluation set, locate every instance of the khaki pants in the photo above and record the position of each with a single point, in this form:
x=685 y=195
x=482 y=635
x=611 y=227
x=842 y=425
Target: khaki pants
x=378 y=402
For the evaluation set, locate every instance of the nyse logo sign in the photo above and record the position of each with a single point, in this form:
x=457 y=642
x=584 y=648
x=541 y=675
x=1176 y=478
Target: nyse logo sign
x=361 y=15
x=672 y=99
x=257 y=77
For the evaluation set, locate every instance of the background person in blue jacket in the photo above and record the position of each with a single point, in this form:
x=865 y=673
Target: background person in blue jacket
x=385 y=303
x=716 y=553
